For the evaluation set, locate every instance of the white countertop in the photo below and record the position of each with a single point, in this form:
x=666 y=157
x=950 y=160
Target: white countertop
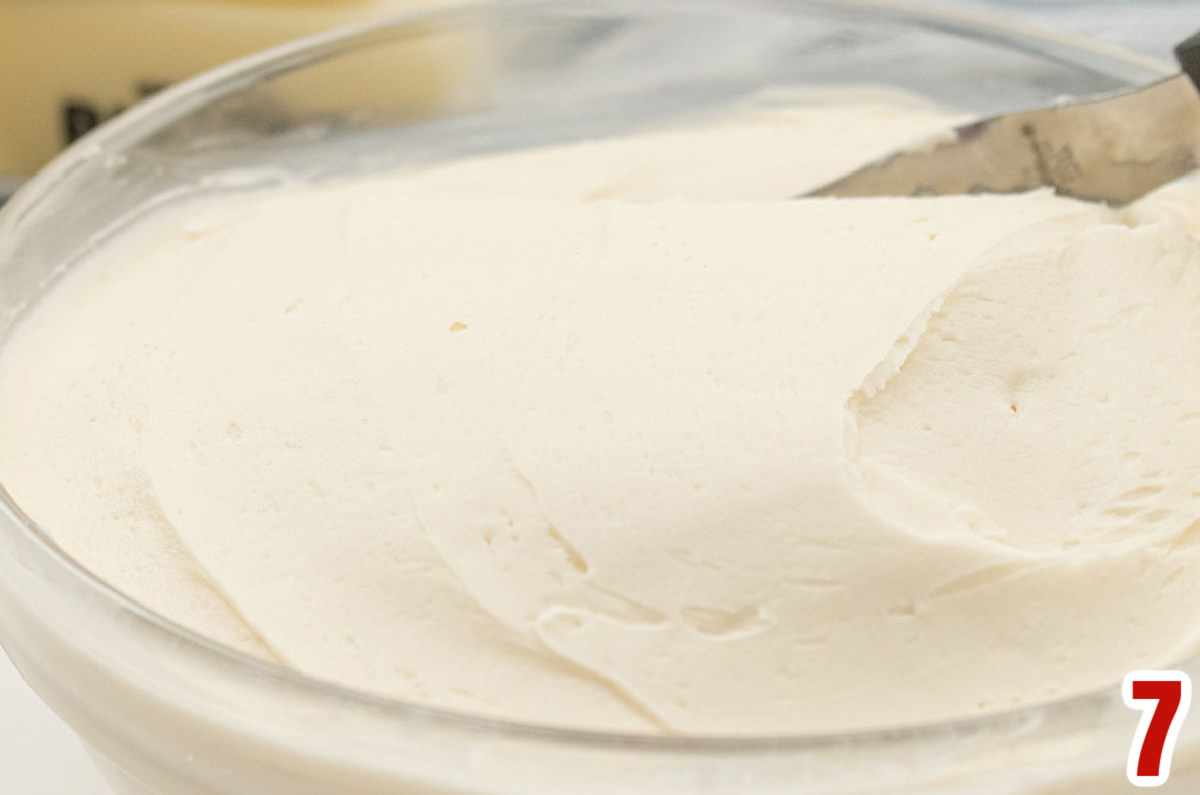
x=40 y=756
x=38 y=753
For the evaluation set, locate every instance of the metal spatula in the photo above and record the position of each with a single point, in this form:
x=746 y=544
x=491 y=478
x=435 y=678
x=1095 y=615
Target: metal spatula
x=1113 y=148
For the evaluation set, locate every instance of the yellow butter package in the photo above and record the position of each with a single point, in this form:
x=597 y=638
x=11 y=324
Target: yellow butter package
x=68 y=65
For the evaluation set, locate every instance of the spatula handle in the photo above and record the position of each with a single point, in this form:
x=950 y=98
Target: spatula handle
x=1188 y=53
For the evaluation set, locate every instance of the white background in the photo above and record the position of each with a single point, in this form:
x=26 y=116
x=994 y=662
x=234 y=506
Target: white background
x=38 y=754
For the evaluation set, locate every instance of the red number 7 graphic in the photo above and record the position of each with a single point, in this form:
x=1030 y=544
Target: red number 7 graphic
x=1164 y=698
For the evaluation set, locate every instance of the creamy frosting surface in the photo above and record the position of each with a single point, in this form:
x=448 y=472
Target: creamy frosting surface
x=621 y=435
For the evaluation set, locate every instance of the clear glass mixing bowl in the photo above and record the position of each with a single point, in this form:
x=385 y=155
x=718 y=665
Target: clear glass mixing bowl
x=166 y=711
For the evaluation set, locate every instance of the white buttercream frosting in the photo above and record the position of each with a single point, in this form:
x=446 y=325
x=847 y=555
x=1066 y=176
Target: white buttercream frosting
x=620 y=435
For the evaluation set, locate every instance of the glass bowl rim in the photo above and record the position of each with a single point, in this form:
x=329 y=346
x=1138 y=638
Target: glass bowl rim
x=151 y=115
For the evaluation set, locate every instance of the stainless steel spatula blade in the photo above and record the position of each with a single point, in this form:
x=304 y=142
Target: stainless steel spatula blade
x=1114 y=148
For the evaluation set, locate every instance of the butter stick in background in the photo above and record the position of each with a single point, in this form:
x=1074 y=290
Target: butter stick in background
x=68 y=65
